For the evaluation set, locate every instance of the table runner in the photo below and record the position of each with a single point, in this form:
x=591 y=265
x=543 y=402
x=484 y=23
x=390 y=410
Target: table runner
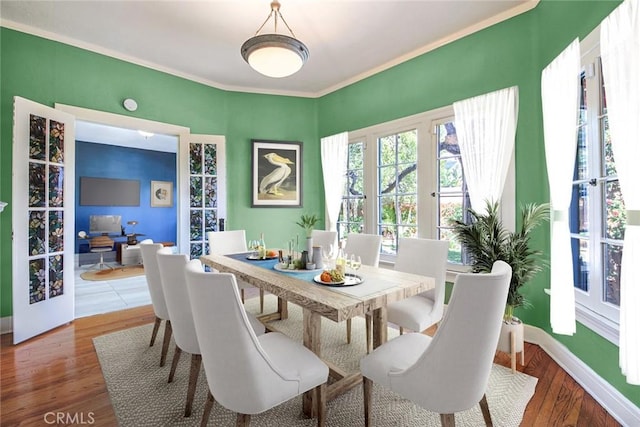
x=371 y=284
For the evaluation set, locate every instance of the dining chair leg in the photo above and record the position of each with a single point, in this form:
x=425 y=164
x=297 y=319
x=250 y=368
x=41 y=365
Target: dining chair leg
x=321 y=401
x=366 y=390
x=243 y=420
x=484 y=407
x=165 y=342
x=401 y=330
x=174 y=363
x=242 y=295
x=196 y=361
x=348 y=331
x=261 y=300
x=207 y=409
x=154 y=333
x=448 y=420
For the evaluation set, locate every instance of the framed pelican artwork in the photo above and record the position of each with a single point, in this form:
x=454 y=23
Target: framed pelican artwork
x=276 y=173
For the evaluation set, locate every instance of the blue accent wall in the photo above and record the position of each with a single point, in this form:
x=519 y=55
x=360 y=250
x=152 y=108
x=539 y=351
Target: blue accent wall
x=109 y=161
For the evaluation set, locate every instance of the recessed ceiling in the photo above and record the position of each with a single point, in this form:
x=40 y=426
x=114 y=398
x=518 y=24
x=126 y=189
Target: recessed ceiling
x=200 y=40
x=104 y=134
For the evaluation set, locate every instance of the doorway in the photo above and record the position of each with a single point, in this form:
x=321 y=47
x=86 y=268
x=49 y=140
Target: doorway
x=139 y=155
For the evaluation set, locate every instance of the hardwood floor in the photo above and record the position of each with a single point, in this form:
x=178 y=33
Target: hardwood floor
x=58 y=374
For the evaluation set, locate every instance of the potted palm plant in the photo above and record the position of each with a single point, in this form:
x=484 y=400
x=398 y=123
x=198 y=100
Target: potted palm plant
x=486 y=241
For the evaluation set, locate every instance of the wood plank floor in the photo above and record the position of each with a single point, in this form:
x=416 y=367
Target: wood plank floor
x=59 y=372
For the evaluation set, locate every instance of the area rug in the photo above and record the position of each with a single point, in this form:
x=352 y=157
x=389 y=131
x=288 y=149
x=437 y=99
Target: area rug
x=141 y=395
x=113 y=274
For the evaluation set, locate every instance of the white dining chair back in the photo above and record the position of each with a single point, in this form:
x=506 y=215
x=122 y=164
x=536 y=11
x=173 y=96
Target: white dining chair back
x=246 y=373
x=232 y=242
x=460 y=355
x=367 y=246
x=152 y=274
x=324 y=238
x=426 y=257
x=171 y=267
x=154 y=283
x=227 y=242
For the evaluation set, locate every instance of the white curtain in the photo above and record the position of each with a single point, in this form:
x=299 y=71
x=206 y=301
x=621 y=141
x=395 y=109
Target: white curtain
x=620 y=50
x=486 y=128
x=559 y=113
x=334 y=166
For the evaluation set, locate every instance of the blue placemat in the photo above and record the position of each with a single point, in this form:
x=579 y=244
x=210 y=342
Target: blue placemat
x=269 y=263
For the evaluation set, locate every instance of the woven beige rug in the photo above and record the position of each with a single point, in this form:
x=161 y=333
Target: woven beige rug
x=141 y=395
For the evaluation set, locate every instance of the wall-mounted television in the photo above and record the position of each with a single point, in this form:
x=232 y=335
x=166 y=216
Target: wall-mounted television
x=105 y=224
x=109 y=192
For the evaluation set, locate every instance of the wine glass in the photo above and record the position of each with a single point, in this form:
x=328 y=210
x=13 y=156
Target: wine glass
x=327 y=257
x=355 y=262
x=253 y=247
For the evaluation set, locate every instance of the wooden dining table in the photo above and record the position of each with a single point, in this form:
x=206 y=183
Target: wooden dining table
x=380 y=287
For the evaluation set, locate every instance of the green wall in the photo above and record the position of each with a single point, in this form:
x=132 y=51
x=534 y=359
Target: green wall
x=510 y=53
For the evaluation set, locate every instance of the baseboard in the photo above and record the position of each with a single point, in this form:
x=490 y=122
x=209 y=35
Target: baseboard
x=621 y=408
x=6 y=324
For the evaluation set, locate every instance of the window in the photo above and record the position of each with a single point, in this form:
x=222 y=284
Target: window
x=452 y=195
x=412 y=168
x=597 y=212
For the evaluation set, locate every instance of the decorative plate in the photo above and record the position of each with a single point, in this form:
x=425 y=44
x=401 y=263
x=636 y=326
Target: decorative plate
x=349 y=280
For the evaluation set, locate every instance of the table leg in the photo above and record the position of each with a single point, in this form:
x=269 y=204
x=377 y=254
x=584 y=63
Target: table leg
x=311 y=322
x=283 y=309
x=379 y=316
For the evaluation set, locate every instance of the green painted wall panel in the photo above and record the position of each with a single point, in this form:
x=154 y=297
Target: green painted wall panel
x=253 y=116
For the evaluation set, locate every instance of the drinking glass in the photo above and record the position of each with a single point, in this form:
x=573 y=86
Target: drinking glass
x=355 y=262
x=253 y=247
x=327 y=257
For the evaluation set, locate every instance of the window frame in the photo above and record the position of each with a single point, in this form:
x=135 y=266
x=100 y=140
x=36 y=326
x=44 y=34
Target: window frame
x=601 y=317
x=427 y=178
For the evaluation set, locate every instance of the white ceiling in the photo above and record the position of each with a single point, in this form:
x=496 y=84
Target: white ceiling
x=104 y=134
x=200 y=40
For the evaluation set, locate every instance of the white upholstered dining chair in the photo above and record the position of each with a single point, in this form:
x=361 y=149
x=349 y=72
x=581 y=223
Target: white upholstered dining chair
x=426 y=257
x=247 y=374
x=172 y=268
x=448 y=373
x=367 y=246
x=324 y=239
x=232 y=242
x=154 y=283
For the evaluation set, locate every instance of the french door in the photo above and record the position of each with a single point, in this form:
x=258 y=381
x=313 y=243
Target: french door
x=43 y=212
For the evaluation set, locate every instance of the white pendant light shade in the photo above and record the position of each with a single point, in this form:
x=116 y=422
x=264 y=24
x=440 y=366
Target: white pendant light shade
x=275 y=55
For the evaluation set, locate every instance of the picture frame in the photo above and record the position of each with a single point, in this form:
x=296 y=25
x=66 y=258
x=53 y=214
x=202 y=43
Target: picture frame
x=161 y=194
x=276 y=173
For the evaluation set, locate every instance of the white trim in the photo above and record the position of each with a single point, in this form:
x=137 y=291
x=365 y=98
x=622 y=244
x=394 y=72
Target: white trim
x=599 y=324
x=503 y=16
x=6 y=325
x=614 y=402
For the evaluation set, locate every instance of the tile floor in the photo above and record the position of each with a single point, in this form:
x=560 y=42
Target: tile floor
x=95 y=297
